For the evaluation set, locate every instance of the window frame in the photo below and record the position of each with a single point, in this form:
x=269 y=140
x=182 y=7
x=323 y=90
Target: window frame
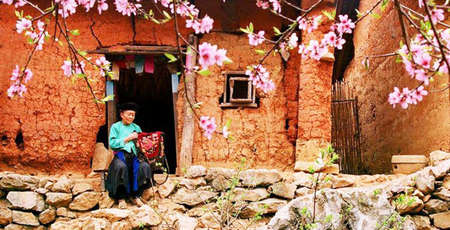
x=228 y=101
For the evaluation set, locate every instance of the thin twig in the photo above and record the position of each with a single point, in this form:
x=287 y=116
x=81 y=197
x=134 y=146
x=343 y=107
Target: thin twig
x=91 y=27
x=294 y=6
x=369 y=11
x=402 y=24
x=421 y=15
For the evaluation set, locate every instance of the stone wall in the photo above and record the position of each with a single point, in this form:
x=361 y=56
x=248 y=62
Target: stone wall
x=386 y=131
x=30 y=202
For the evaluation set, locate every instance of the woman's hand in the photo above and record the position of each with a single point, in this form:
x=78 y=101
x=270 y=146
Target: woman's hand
x=131 y=137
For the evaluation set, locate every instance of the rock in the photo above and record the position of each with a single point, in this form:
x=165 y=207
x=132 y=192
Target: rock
x=306 y=166
x=64 y=212
x=303 y=191
x=441 y=220
x=446 y=183
x=121 y=225
x=149 y=193
x=47 y=216
x=5 y=216
x=66 y=224
x=342 y=181
x=81 y=187
x=96 y=223
x=2 y=194
x=441 y=169
x=443 y=194
x=358 y=209
x=220 y=183
x=105 y=201
x=85 y=201
x=5 y=203
x=57 y=199
x=192 y=183
x=112 y=214
x=26 y=201
x=216 y=172
x=266 y=206
x=167 y=188
x=422 y=222
x=62 y=185
x=210 y=220
x=186 y=223
x=41 y=191
x=282 y=189
x=196 y=171
x=168 y=206
x=23 y=227
x=425 y=182
x=241 y=194
x=201 y=210
x=192 y=197
x=257 y=177
x=435 y=205
x=25 y=218
x=437 y=156
x=303 y=179
x=411 y=204
x=144 y=216
x=18 y=182
x=418 y=194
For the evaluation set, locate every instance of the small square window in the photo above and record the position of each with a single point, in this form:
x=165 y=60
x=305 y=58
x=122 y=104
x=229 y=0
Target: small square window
x=238 y=91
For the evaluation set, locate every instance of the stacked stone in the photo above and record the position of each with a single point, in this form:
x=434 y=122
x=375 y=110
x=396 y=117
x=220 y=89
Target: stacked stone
x=30 y=202
x=427 y=194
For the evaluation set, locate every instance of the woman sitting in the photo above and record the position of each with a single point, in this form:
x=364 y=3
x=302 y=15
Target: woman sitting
x=127 y=176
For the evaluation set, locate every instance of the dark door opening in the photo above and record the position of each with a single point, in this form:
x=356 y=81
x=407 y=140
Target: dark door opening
x=153 y=94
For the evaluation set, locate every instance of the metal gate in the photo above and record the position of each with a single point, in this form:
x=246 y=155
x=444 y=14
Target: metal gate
x=345 y=130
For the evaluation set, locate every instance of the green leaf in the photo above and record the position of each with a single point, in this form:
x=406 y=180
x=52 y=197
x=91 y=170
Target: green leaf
x=227 y=61
x=204 y=72
x=60 y=43
x=250 y=27
x=261 y=52
x=17 y=14
x=81 y=75
x=75 y=32
x=384 y=4
x=82 y=53
x=197 y=105
x=375 y=15
x=170 y=57
x=167 y=15
x=228 y=123
x=358 y=14
x=108 y=98
x=329 y=15
x=277 y=31
x=244 y=30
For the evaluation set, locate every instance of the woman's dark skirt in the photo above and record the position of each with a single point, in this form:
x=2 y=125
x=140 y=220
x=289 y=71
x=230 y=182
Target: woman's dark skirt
x=127 y=176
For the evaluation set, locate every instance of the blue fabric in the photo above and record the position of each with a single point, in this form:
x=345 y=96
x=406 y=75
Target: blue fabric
x=134 y=182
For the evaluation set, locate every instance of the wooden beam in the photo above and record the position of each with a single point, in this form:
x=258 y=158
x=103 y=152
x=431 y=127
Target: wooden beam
x=187 y=137
x=133 y=49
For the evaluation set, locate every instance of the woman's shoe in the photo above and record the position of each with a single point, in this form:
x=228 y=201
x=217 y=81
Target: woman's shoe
x=122 y=204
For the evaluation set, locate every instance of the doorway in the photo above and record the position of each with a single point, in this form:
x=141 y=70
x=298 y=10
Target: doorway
x=153 y=93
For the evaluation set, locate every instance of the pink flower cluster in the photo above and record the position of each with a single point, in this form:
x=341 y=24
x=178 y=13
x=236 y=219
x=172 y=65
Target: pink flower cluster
x=17 y=88
x=406 y=96
x=127 y=8
x=210 y=55
x=307 y=24
x=265 y=4
x=256 y=39
x=68 y=70
x=208 y=124
x=103 y=64
x=316 y=50
x=260 y=78
x=437 y=15
x=203 y=25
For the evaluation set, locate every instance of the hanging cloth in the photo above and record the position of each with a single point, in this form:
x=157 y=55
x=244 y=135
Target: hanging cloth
x=139 y=64
x=149 y=64
x=129 y=61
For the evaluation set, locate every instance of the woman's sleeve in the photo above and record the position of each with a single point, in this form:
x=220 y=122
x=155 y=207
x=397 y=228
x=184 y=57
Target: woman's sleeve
x=114 y=141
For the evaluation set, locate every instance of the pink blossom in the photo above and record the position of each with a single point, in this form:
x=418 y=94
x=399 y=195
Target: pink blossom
x=307 y=24
x=20 y=3
x=419 y=93
x=28 y=75
x=15 y=74
x=315 y=50
x=207 y=54
x=256 y=39
x=421 y=3
x=16 y=89
x=208 y=125
x=87 y=4
x=262 y=4
x=437 y=15
x=102 y=6
x=67 y=68
x=395 y=97
x=331 y=39
x=220 y=56
x=103 y=64
x=206 y=24
x=345 y=25
x=23 y=24
x=293 y=40
x=79 y=68
x=260 y=78
x=276 y=5
x=126 y=8
x=423 y=60
x=421 y=75
x=67 y=7
x=9 y=2
x=40 y=25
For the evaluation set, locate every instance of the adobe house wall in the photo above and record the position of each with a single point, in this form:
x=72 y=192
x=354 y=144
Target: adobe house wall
x=386 y=131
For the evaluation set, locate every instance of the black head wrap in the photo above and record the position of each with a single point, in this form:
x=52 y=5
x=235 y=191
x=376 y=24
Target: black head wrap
x=128 y=106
